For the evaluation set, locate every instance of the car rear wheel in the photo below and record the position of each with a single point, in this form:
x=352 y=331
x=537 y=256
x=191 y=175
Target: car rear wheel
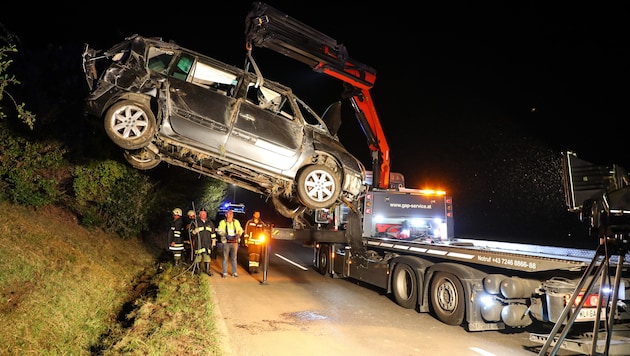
x=142 y=159
x=318 y=186
x=130 y=124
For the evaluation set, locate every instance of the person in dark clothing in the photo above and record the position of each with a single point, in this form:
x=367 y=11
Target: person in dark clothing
x=204 y=239
x=176 y=236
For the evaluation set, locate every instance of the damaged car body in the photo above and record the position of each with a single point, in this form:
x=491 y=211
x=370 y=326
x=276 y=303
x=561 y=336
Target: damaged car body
x=163 y=103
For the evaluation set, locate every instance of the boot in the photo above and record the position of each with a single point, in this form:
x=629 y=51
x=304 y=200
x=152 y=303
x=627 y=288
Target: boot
x=208 y=269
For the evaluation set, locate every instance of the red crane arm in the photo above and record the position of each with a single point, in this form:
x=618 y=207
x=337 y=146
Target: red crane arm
x=267 y=27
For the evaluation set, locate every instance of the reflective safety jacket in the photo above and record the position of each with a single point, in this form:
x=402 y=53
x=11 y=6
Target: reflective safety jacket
x=231 y=231
x=204 y=236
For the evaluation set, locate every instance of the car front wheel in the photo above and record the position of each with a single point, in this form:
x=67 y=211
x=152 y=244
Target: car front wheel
x=130 y=124
x=318 y=186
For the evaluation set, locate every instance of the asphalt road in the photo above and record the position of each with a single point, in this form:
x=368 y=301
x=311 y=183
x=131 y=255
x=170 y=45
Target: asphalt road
x=294 y=310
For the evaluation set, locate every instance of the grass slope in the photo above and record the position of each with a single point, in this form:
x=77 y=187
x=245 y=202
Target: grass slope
x=67 y=290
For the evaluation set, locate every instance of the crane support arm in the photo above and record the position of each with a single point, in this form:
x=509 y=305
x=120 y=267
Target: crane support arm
x=267 y=27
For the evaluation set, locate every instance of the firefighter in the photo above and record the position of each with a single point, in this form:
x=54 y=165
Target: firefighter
x=176 y=236
x=256 y=232
x=205 y=238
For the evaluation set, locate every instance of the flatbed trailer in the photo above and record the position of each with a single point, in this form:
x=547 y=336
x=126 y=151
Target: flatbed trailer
x=478 y=284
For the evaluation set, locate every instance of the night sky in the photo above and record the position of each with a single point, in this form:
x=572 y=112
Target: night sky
x=479 y=101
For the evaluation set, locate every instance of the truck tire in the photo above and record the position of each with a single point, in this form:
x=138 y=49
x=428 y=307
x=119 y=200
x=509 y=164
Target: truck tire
x=323 y=259
x=130 y=124
x=447 y=299
x=405 y=286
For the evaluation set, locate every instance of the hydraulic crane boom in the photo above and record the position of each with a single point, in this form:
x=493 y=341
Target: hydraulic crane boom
x=270 y=28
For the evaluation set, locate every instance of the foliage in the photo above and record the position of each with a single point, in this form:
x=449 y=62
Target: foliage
x=212 y=195
x=114 y=196
x=29 y=170
x=5 y=80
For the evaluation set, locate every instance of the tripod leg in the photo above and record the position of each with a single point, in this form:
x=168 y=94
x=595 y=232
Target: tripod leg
x=567 y=309
x=598 y=314
x=610 y=314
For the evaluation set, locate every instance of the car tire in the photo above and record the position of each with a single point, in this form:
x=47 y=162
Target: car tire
x=142 y=159
x=318 y=186
x=129 y=124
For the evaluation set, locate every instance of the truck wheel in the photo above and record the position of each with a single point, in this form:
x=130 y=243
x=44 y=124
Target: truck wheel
x=130 y=124
x=447 y=298
x=405 y=286
x=323 y=259
x=318 y=186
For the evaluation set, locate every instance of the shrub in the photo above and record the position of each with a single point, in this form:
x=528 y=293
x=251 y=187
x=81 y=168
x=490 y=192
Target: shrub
x=114 y=196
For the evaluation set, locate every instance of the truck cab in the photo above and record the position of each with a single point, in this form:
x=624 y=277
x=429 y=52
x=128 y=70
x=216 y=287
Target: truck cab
x=395 y=213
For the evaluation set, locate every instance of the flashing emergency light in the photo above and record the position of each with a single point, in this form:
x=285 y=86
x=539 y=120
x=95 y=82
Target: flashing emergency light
x=238 y=208
x=432 y=192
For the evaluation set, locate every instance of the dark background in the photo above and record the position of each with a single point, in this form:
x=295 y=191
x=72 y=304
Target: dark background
x=477 y=100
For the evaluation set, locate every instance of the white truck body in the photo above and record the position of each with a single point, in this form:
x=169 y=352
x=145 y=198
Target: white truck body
x=479 y=284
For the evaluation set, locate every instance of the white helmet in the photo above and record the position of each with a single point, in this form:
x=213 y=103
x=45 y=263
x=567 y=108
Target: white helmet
x=177 y=211
x=190 y=213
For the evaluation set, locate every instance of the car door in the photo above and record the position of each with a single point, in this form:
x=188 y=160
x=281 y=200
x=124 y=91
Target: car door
x=200 y=103
x=265 y=130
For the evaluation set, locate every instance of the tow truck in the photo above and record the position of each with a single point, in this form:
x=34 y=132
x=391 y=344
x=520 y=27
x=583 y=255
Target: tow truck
x=401 y=239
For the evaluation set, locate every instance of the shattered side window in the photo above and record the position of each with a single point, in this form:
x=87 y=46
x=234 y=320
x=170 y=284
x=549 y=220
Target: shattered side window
x=159 y=59
x=270 y=100
x=310 y=116
x=207 y=76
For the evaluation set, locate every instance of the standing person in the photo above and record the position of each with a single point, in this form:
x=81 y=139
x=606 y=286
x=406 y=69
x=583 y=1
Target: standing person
x=204 y=237
x=255 y=228
x=230 y=231
x=176 y=236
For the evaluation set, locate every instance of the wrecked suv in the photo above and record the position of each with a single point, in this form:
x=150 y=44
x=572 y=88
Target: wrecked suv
x=163 y=103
